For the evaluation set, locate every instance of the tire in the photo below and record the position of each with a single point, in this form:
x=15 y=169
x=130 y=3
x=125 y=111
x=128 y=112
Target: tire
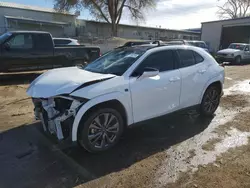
x=210 y=101
x=94 y=136
x=237 y=60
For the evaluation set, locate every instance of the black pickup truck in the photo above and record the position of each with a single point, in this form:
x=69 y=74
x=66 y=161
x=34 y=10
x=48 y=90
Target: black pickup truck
x=35 y=50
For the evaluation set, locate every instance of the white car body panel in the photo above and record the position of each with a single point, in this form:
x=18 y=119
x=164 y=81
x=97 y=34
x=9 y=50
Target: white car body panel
x=142 y=98
x=155 y=96
x=228 y=51
x=62 y=81
x=193 y=79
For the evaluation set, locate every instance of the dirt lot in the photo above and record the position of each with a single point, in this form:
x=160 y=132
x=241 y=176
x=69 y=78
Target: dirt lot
x=183 y=150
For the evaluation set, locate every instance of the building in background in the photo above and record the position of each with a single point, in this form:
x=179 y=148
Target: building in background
x=219 y=34
x=22 y=17
x=103 y=30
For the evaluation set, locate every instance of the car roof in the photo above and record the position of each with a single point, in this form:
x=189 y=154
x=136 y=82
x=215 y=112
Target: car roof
x=156 y=47
x=195 y=41
x=64 y=38
x=240 y=43
x=43 y=32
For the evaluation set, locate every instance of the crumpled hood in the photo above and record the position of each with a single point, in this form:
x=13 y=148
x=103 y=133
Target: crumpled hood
x=62 y=81
x=227 y=51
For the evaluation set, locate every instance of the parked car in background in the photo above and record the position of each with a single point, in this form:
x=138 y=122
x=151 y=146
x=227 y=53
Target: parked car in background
x=65 y=41
x=134 y=43
x=35 y=50
x=235 y=53
x=94 y=104
x=200 y=44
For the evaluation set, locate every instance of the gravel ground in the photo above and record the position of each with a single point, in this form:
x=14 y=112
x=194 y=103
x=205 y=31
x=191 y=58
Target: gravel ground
x=182 y=150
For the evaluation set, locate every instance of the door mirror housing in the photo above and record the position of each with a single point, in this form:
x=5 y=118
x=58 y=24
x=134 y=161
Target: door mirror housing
x=149 y=72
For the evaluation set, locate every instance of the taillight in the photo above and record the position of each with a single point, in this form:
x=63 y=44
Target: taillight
x=100 y=54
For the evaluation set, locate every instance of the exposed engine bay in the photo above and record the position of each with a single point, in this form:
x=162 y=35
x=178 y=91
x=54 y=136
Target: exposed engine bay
x=57 y=114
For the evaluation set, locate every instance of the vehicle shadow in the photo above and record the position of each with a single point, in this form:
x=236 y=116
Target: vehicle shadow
x=18 y=78
x=28 y=159
x=140 y=142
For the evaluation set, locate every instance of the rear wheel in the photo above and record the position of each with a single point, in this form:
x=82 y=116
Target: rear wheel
x=101 y=130
x=238 y=60
x=210 y=101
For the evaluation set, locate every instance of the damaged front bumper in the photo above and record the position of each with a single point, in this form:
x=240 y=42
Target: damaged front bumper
x=57 y=114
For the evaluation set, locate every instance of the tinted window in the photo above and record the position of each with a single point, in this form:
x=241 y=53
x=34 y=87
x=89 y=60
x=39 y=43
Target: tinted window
x=198 y=57
x=43 y=41
x=247 y=48
x=21 y=41
x=186 y=58
x=163 y=61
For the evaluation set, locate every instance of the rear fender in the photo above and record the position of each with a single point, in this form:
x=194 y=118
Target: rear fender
x=217 y=78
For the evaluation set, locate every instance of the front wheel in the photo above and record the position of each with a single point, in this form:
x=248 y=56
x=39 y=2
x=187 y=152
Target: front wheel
x=101 y=130
x=210 y=101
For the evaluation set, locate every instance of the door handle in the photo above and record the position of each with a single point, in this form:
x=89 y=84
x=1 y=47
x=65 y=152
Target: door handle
x=174 y=79
x=202 y=71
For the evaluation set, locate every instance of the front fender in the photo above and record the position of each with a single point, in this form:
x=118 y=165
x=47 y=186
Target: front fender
x=123 y=98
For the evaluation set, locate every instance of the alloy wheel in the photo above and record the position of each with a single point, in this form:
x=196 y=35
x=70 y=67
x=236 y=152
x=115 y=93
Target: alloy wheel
x=211 y=101
x=103 y=130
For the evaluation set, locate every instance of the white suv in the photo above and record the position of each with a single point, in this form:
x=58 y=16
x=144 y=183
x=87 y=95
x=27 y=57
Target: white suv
x=93 y=105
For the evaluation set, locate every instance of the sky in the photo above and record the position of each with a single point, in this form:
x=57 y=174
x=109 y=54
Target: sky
x=171 y=14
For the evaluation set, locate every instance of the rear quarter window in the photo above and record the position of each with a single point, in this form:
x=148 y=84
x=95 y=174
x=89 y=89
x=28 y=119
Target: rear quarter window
x=198 y=58
x=186 y=58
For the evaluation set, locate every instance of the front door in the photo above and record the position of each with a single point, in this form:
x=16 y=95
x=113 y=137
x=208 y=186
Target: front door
x=246 y=55
x=158 y=95
x=17 y=53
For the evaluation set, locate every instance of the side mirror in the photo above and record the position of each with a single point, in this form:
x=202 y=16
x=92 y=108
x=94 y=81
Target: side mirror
x=149 y=72
x=6 y=46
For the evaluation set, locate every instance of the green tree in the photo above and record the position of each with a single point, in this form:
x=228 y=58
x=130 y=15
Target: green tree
x=110 y=11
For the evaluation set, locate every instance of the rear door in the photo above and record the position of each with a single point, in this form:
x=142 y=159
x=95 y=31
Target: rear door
x=194 y=74
x=19 y=55
x=158 y=95
x=44 y=51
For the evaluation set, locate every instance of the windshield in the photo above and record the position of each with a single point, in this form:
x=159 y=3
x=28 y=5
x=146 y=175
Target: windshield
x=4 y=37
x=237 y=46
x=115 y=62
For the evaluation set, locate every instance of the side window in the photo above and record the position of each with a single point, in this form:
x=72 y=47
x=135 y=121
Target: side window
x=198 y=57
x=163 y=61
x=186 y=58
x=21 y=41
x=43 y=42
x=247 y=48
